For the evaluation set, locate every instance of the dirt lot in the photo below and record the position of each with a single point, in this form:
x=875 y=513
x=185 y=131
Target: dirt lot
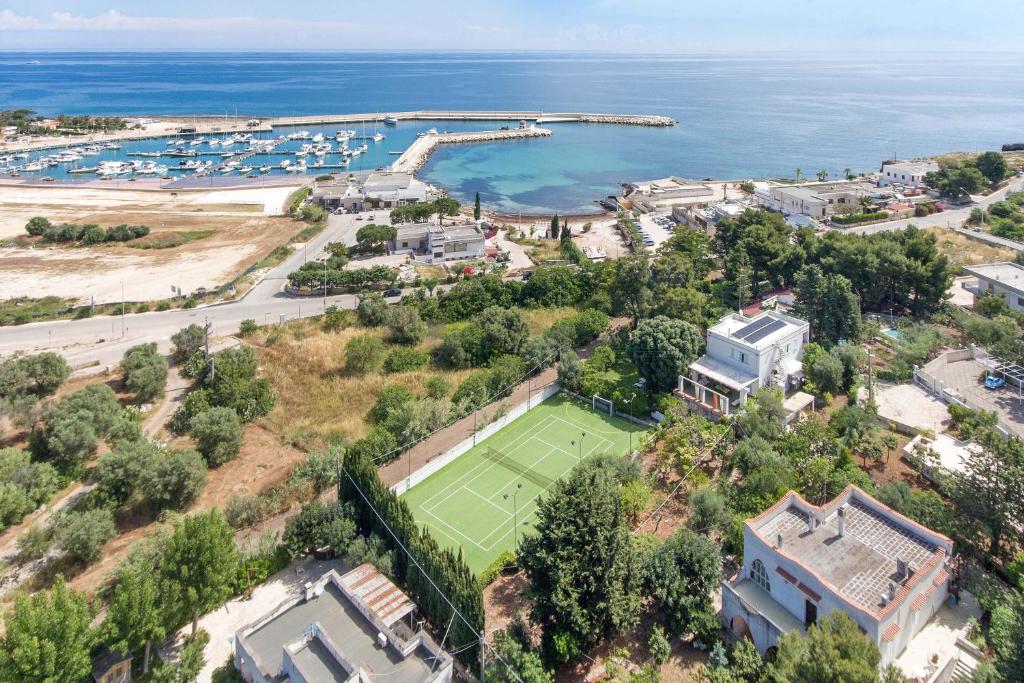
x=229 y=229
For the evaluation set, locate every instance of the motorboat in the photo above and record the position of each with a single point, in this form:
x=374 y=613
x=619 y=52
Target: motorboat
x=390 y=120
x=377 y=137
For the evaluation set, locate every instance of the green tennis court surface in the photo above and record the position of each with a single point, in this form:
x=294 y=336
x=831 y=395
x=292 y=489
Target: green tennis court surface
x=476 y=501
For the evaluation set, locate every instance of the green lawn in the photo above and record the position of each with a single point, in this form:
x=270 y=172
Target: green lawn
x=464 y=505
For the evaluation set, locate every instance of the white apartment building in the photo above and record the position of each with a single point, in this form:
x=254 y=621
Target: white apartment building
x=437 y=244
x=909 y=173
x=744 y=354
x=1003 y=279
x=801 y=561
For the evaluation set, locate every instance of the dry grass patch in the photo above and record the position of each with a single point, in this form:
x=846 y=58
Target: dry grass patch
x=318 y=401
x=539 y=320
x=963 y=250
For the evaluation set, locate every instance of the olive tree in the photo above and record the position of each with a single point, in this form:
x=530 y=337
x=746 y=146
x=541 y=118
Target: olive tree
x=661 y=348
x=145 y=372
x=218 y=435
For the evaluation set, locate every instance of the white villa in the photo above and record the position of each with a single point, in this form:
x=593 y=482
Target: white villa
x=744 y=354
x=909 y=173
x=437 y=244
x=1004 y=279
x=854 y=554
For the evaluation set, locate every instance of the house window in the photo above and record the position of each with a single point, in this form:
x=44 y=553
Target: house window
x=743 y=357
x=760 y=575
x=1020 y=300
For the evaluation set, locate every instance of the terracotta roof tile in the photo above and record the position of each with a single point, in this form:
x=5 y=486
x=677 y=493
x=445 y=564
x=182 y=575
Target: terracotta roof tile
x=889 y=634
x=940 y=578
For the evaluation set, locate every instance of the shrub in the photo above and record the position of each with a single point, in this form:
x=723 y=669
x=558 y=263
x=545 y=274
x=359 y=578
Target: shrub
x=218 y=435
x=37 y=225
x=34 y=542
x=372 y=309
x=117 y=473
x=336 y=319
x=82 y=534
x=145 y=372
x=405 y=325
x=174 y=480
x=245 y=510
x=363 y=354
x=502 y=562
x=187 y=342
x=404 y=360
x=438 y=387
x=248 y=327
x=390 y=400
x=852 y=218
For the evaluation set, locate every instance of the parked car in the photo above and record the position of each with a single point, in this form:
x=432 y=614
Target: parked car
x=394 y=291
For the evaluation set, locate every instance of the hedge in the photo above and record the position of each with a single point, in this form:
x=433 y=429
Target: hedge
x=859 y=217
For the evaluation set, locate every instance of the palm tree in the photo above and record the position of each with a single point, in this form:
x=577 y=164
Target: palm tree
x=798 y=173
x=848 y=173
x=890 y=442
x=822 y=176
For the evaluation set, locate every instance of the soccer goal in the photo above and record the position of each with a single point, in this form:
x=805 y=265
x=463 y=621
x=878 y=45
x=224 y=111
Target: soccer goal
x=602 y=404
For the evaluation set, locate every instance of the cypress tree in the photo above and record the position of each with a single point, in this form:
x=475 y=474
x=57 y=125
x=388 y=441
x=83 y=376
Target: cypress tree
x=554 y=226
x=476 y=207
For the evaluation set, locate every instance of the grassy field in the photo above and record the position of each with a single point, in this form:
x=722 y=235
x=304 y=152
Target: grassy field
x=487 y=498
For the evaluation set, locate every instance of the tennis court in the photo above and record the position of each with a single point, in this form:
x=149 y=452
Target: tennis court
x=479 y=500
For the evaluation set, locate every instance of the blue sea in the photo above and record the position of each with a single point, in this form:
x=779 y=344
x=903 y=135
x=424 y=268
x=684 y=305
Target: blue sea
x=740 y=116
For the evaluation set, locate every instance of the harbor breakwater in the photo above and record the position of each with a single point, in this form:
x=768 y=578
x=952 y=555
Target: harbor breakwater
x=419 y=151
x=450 y=115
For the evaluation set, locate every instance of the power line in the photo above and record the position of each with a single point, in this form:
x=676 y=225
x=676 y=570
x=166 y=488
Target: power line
x=412 y=559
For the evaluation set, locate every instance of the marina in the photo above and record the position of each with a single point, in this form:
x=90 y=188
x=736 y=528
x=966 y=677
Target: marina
x=290 y=145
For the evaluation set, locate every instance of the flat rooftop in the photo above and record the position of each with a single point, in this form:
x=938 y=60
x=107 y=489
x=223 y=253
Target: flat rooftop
x=759 y=331
x=859 y=565
x=346 y=627
x=1004 y=272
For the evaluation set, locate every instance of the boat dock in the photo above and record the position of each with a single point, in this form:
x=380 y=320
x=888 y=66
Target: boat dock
x=420 y=150
x=452 y=115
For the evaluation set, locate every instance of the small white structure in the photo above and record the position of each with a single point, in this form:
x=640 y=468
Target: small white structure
x=853 y=554
x=744 y=354
x=437 y=244
x=909 y=173
x=1003 y=279
x=347 y=628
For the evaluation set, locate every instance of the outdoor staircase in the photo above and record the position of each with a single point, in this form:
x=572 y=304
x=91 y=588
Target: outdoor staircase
x=963 y=670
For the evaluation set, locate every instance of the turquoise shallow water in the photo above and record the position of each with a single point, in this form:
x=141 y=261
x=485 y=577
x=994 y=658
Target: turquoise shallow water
x=740 y=115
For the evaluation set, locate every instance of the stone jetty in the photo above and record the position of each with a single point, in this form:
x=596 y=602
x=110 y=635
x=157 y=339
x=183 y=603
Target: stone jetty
x=497 y=115
x=420 y=150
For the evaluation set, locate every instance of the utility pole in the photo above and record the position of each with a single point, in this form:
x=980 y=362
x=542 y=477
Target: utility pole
x=482 y=657
x=325 y=286
x=206 y=341
x=122 y=308
x=871 y=384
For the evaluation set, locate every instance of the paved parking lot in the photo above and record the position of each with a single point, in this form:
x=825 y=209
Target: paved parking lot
x=658 y=228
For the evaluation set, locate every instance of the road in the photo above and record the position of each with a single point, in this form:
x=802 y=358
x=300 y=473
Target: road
x=952 y=218
x=104 y=339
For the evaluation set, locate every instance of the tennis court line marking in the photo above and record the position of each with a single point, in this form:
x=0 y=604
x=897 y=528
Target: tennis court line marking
x=533 y=501
x=485 y=463
x=450 y=527
x=588 y=430
x=508 y=515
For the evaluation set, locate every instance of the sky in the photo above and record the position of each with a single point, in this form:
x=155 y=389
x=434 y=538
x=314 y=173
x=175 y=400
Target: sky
x=630 y=26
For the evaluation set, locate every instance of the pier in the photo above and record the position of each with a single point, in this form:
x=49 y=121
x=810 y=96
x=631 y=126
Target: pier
x=451 y=115
x=420 y=150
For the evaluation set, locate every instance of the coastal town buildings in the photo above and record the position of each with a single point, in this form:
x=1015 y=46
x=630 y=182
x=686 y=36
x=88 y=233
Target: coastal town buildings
x=816 y=200
x=852 y=554
x=909 y=173
x=349 y=628
x=744 y=354
x=649 y=195
x=375 y=190
x=435 y=244
x=1002 y=279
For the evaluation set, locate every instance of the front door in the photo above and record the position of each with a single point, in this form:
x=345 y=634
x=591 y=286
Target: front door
x=810 y=613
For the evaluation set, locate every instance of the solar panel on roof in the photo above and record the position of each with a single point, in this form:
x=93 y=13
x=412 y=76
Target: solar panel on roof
x=760 y=334
x=752 y=327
